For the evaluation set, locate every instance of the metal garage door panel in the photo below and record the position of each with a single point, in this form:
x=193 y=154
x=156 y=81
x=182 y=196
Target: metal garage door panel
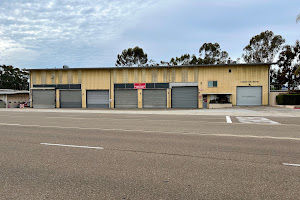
x=249 y=96
x=97 y=99
x=70 y=99
x=155 y=98
x=126 y=99
x=185 y=97
x=43 y=98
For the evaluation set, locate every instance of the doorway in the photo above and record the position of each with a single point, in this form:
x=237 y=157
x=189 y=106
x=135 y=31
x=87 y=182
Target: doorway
x=205 y=101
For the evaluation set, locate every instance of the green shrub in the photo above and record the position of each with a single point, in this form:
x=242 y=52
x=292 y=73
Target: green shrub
x=288 y=99
x=279 y=99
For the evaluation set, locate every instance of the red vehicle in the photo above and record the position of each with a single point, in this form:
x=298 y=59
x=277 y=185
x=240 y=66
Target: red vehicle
x=26 y=104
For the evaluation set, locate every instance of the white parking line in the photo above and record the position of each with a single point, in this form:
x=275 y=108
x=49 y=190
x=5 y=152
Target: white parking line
x=288 y=164
x=65 y=145
x=228 y=119
x=256 y=120
x=65 y=118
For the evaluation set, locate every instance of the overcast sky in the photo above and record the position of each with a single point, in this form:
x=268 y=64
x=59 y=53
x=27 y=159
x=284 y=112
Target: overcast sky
x=90 y=33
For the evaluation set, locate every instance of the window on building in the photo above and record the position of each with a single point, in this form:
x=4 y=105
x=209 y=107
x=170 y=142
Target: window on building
x=212 y=83
x=220 y=98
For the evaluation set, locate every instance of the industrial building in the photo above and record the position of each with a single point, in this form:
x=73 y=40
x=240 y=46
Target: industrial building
x=195 y=86
x=12 y=98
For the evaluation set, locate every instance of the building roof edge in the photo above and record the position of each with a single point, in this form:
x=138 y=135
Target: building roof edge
x=159 y=66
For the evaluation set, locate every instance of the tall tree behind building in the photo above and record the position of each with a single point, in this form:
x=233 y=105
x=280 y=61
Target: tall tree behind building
x=185 y=59
x=209 y=53
x=263 y=48
x=132 y=57
x=13 y=78
x=212 y=54
x=289 y=63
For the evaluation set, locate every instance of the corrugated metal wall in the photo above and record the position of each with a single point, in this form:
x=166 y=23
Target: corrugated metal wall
x=70 y=99
x=155 y=98
x=126 y=98
x=97 y=99
x=43 y=98
x=185 y=97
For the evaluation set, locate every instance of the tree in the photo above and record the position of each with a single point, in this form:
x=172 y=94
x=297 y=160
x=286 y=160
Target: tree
x=288 y=63
x=185 y=59
x=209 y=54
x=276 y=78
x=297 y=71
x=212 y=54
x=132 y=57
x=13 y=78
x=263 y=48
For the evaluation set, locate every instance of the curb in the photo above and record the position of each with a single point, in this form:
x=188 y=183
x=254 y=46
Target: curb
x=288 y=106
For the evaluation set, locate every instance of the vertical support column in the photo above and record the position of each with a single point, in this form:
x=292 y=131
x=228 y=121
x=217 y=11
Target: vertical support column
x=6 y=101
x=30 y=98
x=112 y=97
x=83 y=100
x=30 y=86
x=169 y=98
x=57 y=99
x=269 y=85
x=200 y=87
x=140 y=98
x=111 y=91
x=200 y=95
x=200 y=100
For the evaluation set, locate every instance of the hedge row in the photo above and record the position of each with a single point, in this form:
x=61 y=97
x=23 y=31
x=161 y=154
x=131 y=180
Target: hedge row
x=288 y=99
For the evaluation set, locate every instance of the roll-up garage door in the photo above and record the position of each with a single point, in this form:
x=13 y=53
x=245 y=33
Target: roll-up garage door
x=70 y=99
x=155 y=98
x=43 y=98
x=185 y=97
x=249 y=96
x=97 y=98
x=126 y=98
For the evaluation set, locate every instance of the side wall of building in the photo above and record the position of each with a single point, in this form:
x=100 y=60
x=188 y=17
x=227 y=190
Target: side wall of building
x=228 y=77
x=272 y=98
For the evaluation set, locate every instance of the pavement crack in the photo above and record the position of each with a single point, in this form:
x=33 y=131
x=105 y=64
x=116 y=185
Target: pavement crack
x=190 y=156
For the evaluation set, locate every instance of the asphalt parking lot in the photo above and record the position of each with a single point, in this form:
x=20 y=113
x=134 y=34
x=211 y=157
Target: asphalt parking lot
x=127 y=155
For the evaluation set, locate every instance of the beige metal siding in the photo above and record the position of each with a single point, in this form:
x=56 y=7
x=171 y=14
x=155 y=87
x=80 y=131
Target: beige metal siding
x=104 y=79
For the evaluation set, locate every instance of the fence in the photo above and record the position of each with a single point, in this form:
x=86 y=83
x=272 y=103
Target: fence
x=284 y=87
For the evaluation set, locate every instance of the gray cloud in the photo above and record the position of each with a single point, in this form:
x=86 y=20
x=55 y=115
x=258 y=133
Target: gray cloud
x=90 y=33
x=60 y=31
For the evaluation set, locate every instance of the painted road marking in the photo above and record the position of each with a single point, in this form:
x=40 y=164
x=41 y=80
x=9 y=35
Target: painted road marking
x=156 y=131
x=66 y=118
x=256 y=120
x=66 y=145
x=288 y=164
x=228 y=120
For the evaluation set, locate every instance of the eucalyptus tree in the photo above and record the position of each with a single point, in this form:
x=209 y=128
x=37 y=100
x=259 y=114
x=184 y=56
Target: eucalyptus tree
x=13 y=78
x=288 y=63
x=263 y=48
x=211 y=53
x=132 y=57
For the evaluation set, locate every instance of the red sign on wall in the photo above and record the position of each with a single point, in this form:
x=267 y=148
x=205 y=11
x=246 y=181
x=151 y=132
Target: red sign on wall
x=140 y=86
